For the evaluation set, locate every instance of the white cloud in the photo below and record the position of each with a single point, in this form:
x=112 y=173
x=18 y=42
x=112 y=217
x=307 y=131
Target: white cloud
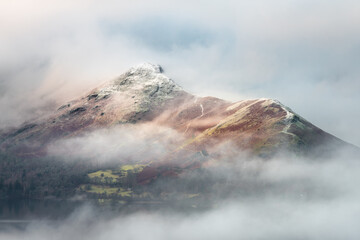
x=318 y=199
x=288 y=50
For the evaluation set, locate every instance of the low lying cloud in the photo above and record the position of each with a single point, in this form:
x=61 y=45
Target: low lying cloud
x=318 y=200
x=118 y=144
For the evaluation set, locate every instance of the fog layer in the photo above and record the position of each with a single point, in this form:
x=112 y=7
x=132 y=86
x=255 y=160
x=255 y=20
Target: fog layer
x=318 y=200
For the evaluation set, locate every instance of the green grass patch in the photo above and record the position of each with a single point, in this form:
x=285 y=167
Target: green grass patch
x=125 y=169
x=99 y=189
x=109 y=176
x=135 y=167
x=104 y=176
x=193 y=195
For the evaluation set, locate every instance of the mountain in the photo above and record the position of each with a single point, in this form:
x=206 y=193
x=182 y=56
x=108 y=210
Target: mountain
x=144 y=96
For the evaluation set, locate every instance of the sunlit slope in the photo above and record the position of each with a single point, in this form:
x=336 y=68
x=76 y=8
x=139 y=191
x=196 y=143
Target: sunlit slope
x=144 y=95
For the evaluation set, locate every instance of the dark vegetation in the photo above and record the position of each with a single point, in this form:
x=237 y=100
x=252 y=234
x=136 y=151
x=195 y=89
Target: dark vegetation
x=51 y=178
x=39 y=178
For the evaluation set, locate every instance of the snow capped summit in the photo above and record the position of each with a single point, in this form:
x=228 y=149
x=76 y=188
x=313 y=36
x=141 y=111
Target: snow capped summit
x=144 y=75
x=136 y=91
x=146 y=67
x=142 y=81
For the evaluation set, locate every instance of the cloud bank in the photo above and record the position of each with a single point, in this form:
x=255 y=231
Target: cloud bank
x=118 y=145
x=318 y=200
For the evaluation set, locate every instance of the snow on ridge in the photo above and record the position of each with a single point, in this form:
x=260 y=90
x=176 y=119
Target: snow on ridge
x=149 y=74
x=288 y=118
x=289 y=113
x=156 y=68
x=144 y=83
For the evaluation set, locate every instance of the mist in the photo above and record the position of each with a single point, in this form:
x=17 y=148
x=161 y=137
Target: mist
x=118 y=145
x=303 y=53
x=246 y=197
x=318 y=199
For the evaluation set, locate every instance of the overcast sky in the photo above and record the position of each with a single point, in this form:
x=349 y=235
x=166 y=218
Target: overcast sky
x=304 y=53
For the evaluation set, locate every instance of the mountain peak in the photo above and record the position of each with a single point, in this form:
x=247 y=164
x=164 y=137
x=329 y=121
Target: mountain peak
x=137 y=91
x=144 y=75
x=146 y=67
x=145 y=79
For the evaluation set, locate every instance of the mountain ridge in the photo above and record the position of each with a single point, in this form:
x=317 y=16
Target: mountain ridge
x=145 y=94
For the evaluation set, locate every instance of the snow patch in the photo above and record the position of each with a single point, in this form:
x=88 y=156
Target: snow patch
x=146 y=67
x=202 y=110
x=143 y=81
x=288 y=118
x=289 y=113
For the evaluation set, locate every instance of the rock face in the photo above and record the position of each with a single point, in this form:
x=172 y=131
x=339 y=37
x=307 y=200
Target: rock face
x=144 y=94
